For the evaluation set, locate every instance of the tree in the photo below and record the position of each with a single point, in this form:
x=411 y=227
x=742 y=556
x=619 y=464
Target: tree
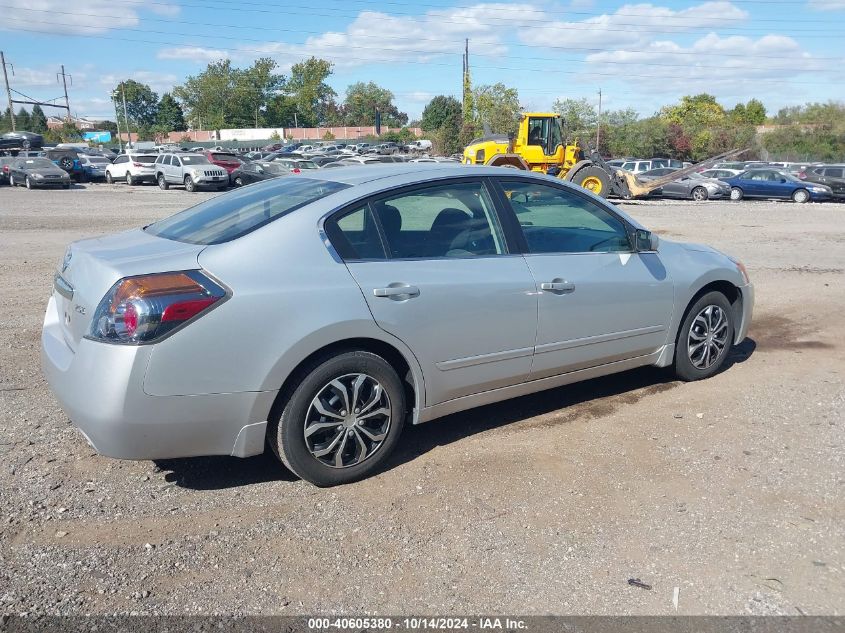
x=310 y=93
x=23 y=120
x=141 y=103
x=362 y=101
x=224 y=96
x=6 y=121
x=169 y=117
x=694 y=111
x=498 y=106
x=754 y=112
x=328 y=136
x=37 y=120
x=440 y=109
x=579 y=118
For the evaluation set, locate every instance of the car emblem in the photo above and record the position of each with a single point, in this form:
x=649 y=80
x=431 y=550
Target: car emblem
x=66 y=260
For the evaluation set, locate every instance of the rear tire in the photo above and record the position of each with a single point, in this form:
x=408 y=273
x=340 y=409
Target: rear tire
x=700 y=194
x=360 y=445
x=800 y=196
x=12 y=182
x=239 y=182
x=705 y=337
x=594 y=179
x=28 y=183
x=162 y=183
x=736 y=194
x=109 y=179
x=130 y=180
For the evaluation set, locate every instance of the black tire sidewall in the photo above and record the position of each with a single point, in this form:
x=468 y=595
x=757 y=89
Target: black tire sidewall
x=289 y=438
x=684 y=368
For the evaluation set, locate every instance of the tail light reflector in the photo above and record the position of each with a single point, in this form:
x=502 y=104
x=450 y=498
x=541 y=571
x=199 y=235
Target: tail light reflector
x=146 y=308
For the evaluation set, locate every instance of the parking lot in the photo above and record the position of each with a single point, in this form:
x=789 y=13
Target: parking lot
x=731 y=489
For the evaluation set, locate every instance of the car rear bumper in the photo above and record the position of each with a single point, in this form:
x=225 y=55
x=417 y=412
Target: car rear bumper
x=100 y=388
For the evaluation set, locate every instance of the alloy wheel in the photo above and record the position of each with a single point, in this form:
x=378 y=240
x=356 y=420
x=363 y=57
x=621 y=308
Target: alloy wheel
x=347 y=421
x=708 y=337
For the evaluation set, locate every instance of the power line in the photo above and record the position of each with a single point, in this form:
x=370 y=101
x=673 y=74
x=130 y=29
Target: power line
x=426 y=63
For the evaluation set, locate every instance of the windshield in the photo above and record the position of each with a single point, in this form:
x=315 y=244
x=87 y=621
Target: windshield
x=306 y=164
x=193 y=160
x=36 y=163
x=239 y=212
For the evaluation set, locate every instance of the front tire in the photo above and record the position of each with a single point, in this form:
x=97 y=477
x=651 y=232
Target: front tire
x=162 y=183
x=800 y=196
x=239 y=182
x=737 y=194
x=341 y=420
x=190 y=185
x=594 y=179
x=699 y=194
x=705 y=337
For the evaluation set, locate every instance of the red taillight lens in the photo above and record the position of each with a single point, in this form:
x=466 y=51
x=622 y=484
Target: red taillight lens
x=296 y=170
x=137 y=164
x=145 y=308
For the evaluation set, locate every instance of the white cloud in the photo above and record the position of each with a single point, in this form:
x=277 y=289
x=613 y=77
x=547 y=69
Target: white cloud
x=734 y=66
x=193 y=53
x=375 y=37
x=633 y=24
x=57 y=16
x=28 y=77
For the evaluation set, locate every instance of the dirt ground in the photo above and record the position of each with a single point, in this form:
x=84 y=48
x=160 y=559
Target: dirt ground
x=730 y=489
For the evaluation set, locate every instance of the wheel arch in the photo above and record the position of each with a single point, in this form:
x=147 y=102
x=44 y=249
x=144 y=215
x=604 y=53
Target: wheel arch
x=408 y=370
x=723 y=286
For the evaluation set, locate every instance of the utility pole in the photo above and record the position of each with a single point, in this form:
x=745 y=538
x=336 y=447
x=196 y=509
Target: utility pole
x=64 y=83
x=117 y=118
x=598 y=125
x=126 y=117
x=8 y=90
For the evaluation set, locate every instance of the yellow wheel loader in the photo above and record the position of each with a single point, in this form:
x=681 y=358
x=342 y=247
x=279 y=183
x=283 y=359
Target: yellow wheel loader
x=540 y=145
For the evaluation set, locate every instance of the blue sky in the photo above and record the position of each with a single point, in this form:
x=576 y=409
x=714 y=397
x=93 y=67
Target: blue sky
x=641 y=55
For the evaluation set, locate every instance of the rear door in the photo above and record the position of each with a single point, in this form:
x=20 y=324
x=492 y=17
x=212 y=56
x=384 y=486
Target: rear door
x=434 y=267
x=600 y=301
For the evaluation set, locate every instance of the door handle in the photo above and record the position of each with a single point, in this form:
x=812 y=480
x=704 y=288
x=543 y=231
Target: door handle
x=397 y=292
x=558 y=286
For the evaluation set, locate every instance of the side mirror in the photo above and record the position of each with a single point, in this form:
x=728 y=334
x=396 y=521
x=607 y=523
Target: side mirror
x=647 y=241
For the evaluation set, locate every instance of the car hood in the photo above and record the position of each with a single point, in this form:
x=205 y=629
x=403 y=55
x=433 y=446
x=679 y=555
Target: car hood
x=47 y=171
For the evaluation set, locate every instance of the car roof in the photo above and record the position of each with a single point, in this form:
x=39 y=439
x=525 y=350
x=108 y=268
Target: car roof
x=368 y=173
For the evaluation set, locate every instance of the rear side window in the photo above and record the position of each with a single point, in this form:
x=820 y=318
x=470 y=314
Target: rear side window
x=242 y=211
x=355 y=235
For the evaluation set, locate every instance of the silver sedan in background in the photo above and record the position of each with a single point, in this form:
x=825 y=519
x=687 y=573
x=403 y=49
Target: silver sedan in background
x=690 y=187
x=318 y=315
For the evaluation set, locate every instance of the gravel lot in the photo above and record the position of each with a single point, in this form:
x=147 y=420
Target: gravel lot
x=730 y=489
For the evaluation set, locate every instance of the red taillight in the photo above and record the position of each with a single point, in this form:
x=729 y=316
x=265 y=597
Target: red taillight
x=142 y=309
x=296 y=170
x=802 y=175
x=137 y=164
x=184 y=310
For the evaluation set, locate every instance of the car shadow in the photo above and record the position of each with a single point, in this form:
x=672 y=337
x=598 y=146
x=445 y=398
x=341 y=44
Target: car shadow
x=579 y=401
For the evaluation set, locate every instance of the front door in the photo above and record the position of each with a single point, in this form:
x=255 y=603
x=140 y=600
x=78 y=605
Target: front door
x=599 y=300
x=434 y=268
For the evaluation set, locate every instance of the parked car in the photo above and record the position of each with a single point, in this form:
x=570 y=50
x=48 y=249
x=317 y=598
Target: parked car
x=5 y=163
x=194 y=305
x=690 y=187
x=257 y=155
x=832 y=176
x=194 y=171
x=322 y=161
x=94 y=167
x=387 y=148
x=132 y=168
x=37 y=172
x=21 y=140
x=227 y=160
x=721 y=173
x=771 y=183
x=295 y=165
x=636 y=166
x=67 y=159
x=251 y=172
x=420 y=145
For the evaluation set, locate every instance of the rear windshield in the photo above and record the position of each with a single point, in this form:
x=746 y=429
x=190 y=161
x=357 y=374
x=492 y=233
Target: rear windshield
x=239 y=212
x=98 y=159
x=225 y=157
x=146 y=160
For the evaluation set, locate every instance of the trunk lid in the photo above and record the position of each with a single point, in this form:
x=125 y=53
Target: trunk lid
x=91 y=267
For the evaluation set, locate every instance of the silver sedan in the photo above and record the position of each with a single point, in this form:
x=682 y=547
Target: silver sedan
x=318 y=315
x=690 y=187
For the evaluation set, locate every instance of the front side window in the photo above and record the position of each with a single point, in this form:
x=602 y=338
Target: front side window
x=834 y=172
x=559 y=221
x=447 y=220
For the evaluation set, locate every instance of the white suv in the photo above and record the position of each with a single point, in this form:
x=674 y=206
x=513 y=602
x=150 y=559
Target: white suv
x=192 y=170
x=133 y=168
